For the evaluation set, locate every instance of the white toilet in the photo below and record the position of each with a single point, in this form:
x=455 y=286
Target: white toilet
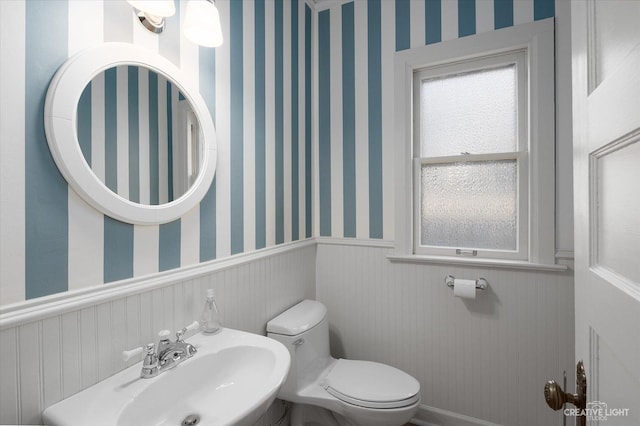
x=328 y=391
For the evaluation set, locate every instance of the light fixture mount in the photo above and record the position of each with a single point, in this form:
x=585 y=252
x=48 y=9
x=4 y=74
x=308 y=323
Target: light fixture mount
x=155 y=24
x=152 y=13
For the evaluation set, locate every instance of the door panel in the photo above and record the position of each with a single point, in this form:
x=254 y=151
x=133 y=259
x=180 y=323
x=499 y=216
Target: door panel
x=613 y=381
x=606 y=109
x=615 y=33
x=616 y=215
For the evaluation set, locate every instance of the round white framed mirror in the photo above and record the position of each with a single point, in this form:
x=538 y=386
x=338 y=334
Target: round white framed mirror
x=64 y=117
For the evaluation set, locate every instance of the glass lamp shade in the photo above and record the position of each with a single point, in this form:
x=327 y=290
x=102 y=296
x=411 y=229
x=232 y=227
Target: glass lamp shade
x=202 y=23
x=161 y=8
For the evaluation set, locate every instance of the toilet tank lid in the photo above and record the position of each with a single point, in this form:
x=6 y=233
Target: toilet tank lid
x=298 y=319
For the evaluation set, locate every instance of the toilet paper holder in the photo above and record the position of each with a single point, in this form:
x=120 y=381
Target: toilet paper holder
x=481 y=283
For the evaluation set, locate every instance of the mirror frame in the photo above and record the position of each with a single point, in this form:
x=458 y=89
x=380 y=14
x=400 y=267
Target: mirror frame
x=60 y=117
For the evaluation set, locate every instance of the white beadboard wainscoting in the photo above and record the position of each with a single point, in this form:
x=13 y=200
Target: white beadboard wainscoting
x=52 y=350
x=479 y=362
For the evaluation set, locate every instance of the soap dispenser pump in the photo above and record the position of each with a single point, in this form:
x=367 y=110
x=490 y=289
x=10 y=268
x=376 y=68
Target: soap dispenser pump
x=210 y=318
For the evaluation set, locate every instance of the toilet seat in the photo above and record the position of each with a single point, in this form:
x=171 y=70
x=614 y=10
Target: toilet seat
x=371 y=384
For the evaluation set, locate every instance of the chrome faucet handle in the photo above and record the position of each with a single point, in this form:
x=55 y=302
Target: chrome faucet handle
x=150 y=358
x=150 y=367
x=164 y=344
x=193 y=326
x=148 y=350
x=127 y=355
x=163 y=335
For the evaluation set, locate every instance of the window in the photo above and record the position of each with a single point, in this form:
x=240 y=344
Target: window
x=475 y=130
x=470 y=158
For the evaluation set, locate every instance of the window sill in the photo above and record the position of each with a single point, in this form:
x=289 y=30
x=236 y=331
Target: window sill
x=491 y=263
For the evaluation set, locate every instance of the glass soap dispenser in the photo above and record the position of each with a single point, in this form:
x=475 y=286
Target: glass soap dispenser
x=210 y=318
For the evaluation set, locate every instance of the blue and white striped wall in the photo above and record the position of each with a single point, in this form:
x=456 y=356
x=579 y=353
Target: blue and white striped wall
x=257 y=87
x=356 y=44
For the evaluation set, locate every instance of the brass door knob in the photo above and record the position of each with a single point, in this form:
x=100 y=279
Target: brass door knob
x=554 y=395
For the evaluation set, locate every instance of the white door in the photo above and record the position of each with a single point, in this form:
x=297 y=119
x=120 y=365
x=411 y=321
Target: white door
x=606 y=110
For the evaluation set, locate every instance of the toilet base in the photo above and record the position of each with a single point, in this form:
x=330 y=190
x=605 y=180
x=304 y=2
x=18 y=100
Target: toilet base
x=311 y=415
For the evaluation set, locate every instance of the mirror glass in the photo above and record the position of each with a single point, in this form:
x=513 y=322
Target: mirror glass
x=139 y=134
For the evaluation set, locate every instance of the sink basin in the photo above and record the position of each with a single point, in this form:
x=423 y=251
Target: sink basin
x=232 y=379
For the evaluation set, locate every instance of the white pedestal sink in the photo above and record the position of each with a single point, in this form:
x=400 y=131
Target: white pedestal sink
x=232 y=379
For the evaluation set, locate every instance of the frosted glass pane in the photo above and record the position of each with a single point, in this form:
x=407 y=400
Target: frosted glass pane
x=474 y=112
x=470 y=205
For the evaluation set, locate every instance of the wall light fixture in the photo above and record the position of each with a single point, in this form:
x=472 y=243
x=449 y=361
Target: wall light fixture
x=201 y=22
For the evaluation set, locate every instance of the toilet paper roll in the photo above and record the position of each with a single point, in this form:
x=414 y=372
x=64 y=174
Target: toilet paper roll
x=464 y=288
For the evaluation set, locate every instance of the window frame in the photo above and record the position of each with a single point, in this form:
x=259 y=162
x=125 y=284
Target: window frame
x=536 y=39
x=518 y=59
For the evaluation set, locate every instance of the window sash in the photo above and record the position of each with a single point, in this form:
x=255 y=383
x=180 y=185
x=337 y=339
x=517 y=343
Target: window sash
x=516 y=57
x=522 y=232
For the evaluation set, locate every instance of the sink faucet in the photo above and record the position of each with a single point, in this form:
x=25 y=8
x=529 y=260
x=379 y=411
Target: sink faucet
x=171 y=353
x=168 y=355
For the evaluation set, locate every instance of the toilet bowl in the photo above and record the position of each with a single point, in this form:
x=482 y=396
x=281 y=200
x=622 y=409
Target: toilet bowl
x=337 y=392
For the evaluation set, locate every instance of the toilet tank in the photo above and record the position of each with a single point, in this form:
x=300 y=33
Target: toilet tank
x=304 y=331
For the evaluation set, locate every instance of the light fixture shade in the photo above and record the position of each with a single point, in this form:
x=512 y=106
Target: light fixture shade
x=162 y=8
x=202 y=23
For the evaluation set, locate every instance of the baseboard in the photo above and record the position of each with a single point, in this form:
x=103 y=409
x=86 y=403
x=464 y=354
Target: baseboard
x=431 y=416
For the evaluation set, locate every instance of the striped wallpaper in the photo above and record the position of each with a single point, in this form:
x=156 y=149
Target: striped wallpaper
x=257 y=87
x=129 y=130
x=356 y=44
